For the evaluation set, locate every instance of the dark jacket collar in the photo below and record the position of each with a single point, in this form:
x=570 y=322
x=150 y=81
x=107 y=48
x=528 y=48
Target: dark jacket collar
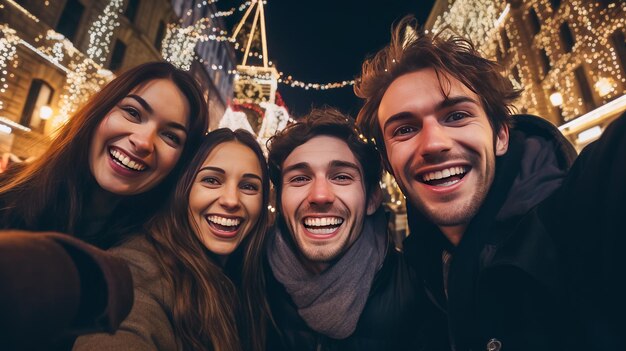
x=534 y=166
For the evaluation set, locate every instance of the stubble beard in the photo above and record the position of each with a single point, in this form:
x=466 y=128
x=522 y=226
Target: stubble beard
x=455 y=213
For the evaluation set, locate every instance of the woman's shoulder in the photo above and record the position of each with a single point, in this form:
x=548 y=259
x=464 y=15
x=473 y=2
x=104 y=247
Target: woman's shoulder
x=148 y=326
x=141 y=257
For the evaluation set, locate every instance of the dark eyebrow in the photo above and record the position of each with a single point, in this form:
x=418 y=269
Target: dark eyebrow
x=297 y=166
x=333 y=164
x=210 y=168
x=254 y=176
x=150 y=110
x=449 y=101
x=455 y=100
x=142 y=102
x=345 y=164
x=397 y=117
x=221 y=171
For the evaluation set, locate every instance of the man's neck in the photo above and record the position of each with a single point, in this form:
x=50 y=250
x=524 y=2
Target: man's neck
x=454 y=234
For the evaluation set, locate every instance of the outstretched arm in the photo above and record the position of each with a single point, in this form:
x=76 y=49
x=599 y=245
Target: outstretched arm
x=57 y=286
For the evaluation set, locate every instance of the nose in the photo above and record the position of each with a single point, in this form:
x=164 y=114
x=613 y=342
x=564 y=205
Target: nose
x=142 y=139
x=433 y=138
x=321 y=192
x=229 y=199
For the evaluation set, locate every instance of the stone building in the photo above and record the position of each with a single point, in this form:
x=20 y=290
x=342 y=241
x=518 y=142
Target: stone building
x=216 y=62
x=55 y=53
x=568 y=55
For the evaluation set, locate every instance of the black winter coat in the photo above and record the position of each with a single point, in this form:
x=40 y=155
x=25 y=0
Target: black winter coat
x=388 y=321
x=538 y=267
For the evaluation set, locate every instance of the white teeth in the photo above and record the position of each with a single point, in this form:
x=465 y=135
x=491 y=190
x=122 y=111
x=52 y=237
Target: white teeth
x=448 y=172
x=448 y=183
x=322 y=222
x=226 y=222
x=322 y=230
x=126 y=161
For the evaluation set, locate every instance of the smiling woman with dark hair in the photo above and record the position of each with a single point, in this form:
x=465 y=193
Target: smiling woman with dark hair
x=114 y=162
x=197 y=269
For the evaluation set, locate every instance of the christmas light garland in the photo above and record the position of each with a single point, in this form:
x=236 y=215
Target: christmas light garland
x=101 y=31
x=591 y=25
x=8 y=50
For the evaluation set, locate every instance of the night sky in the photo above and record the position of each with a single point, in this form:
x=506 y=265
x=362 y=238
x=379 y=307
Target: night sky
x=324 y=41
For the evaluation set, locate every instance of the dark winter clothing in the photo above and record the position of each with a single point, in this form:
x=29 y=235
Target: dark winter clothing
x=148 y=326
x=537 y=267
x=387 y=321
x=53 y=287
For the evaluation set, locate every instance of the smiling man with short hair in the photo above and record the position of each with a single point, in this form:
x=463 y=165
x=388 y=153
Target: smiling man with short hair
x=337 y=282
x=516 y=250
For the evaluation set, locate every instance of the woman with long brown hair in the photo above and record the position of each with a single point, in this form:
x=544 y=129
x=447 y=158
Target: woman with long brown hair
x=115 y=160
x=197 y=269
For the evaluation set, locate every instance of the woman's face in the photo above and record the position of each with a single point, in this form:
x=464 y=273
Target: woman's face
x=226 y=197
x=140 y=139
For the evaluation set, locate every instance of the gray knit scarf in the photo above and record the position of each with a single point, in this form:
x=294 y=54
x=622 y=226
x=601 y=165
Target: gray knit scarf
x=332 y=302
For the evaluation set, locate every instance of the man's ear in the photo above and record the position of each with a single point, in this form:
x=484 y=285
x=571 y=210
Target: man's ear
x=374 y=200
x=502 y=141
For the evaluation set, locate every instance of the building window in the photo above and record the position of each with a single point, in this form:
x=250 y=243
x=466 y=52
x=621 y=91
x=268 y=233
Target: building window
x=619 y=43
x=40 y=94
x=567 y=37
x=555 y=4
x=117 y=57
x=131 y=10
x=584 y=88
x=70 y=19
x=545 y=62
x=160 y=34
x=535 y=25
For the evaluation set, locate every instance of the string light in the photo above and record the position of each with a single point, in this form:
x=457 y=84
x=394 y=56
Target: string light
x=180 y=42
x=101 y=31
x=8 y=49
x=23 y=10
x=476 y=19
x=591 y=25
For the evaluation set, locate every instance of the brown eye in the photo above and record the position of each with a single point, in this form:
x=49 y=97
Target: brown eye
x=456 y=116
x=404 y=130
x=132 y=112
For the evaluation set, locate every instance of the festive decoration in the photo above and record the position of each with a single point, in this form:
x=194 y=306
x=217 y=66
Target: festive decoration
x=101 y=31
x=275 y=119
x=549 y=48
x=234 y=120
x=476 y=18
x=23 y=10
x=180 y=42
x=8 y=43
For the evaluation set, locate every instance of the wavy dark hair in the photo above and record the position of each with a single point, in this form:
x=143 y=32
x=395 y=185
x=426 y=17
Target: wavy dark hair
x=452 y=55
x=50 y=192
x=213 y=311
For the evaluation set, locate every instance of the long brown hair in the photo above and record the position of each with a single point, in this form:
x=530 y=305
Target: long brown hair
x=212 y=311
x=49 y=193
x=452 y=55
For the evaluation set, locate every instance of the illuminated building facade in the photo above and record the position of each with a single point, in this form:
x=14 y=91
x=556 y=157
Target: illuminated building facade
x=55 y=53
x=214 y=59
x=568 y=55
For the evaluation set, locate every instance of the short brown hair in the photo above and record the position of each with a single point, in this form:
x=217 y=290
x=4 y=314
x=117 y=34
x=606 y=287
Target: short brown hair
x=453 y=55
x=324 y=121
